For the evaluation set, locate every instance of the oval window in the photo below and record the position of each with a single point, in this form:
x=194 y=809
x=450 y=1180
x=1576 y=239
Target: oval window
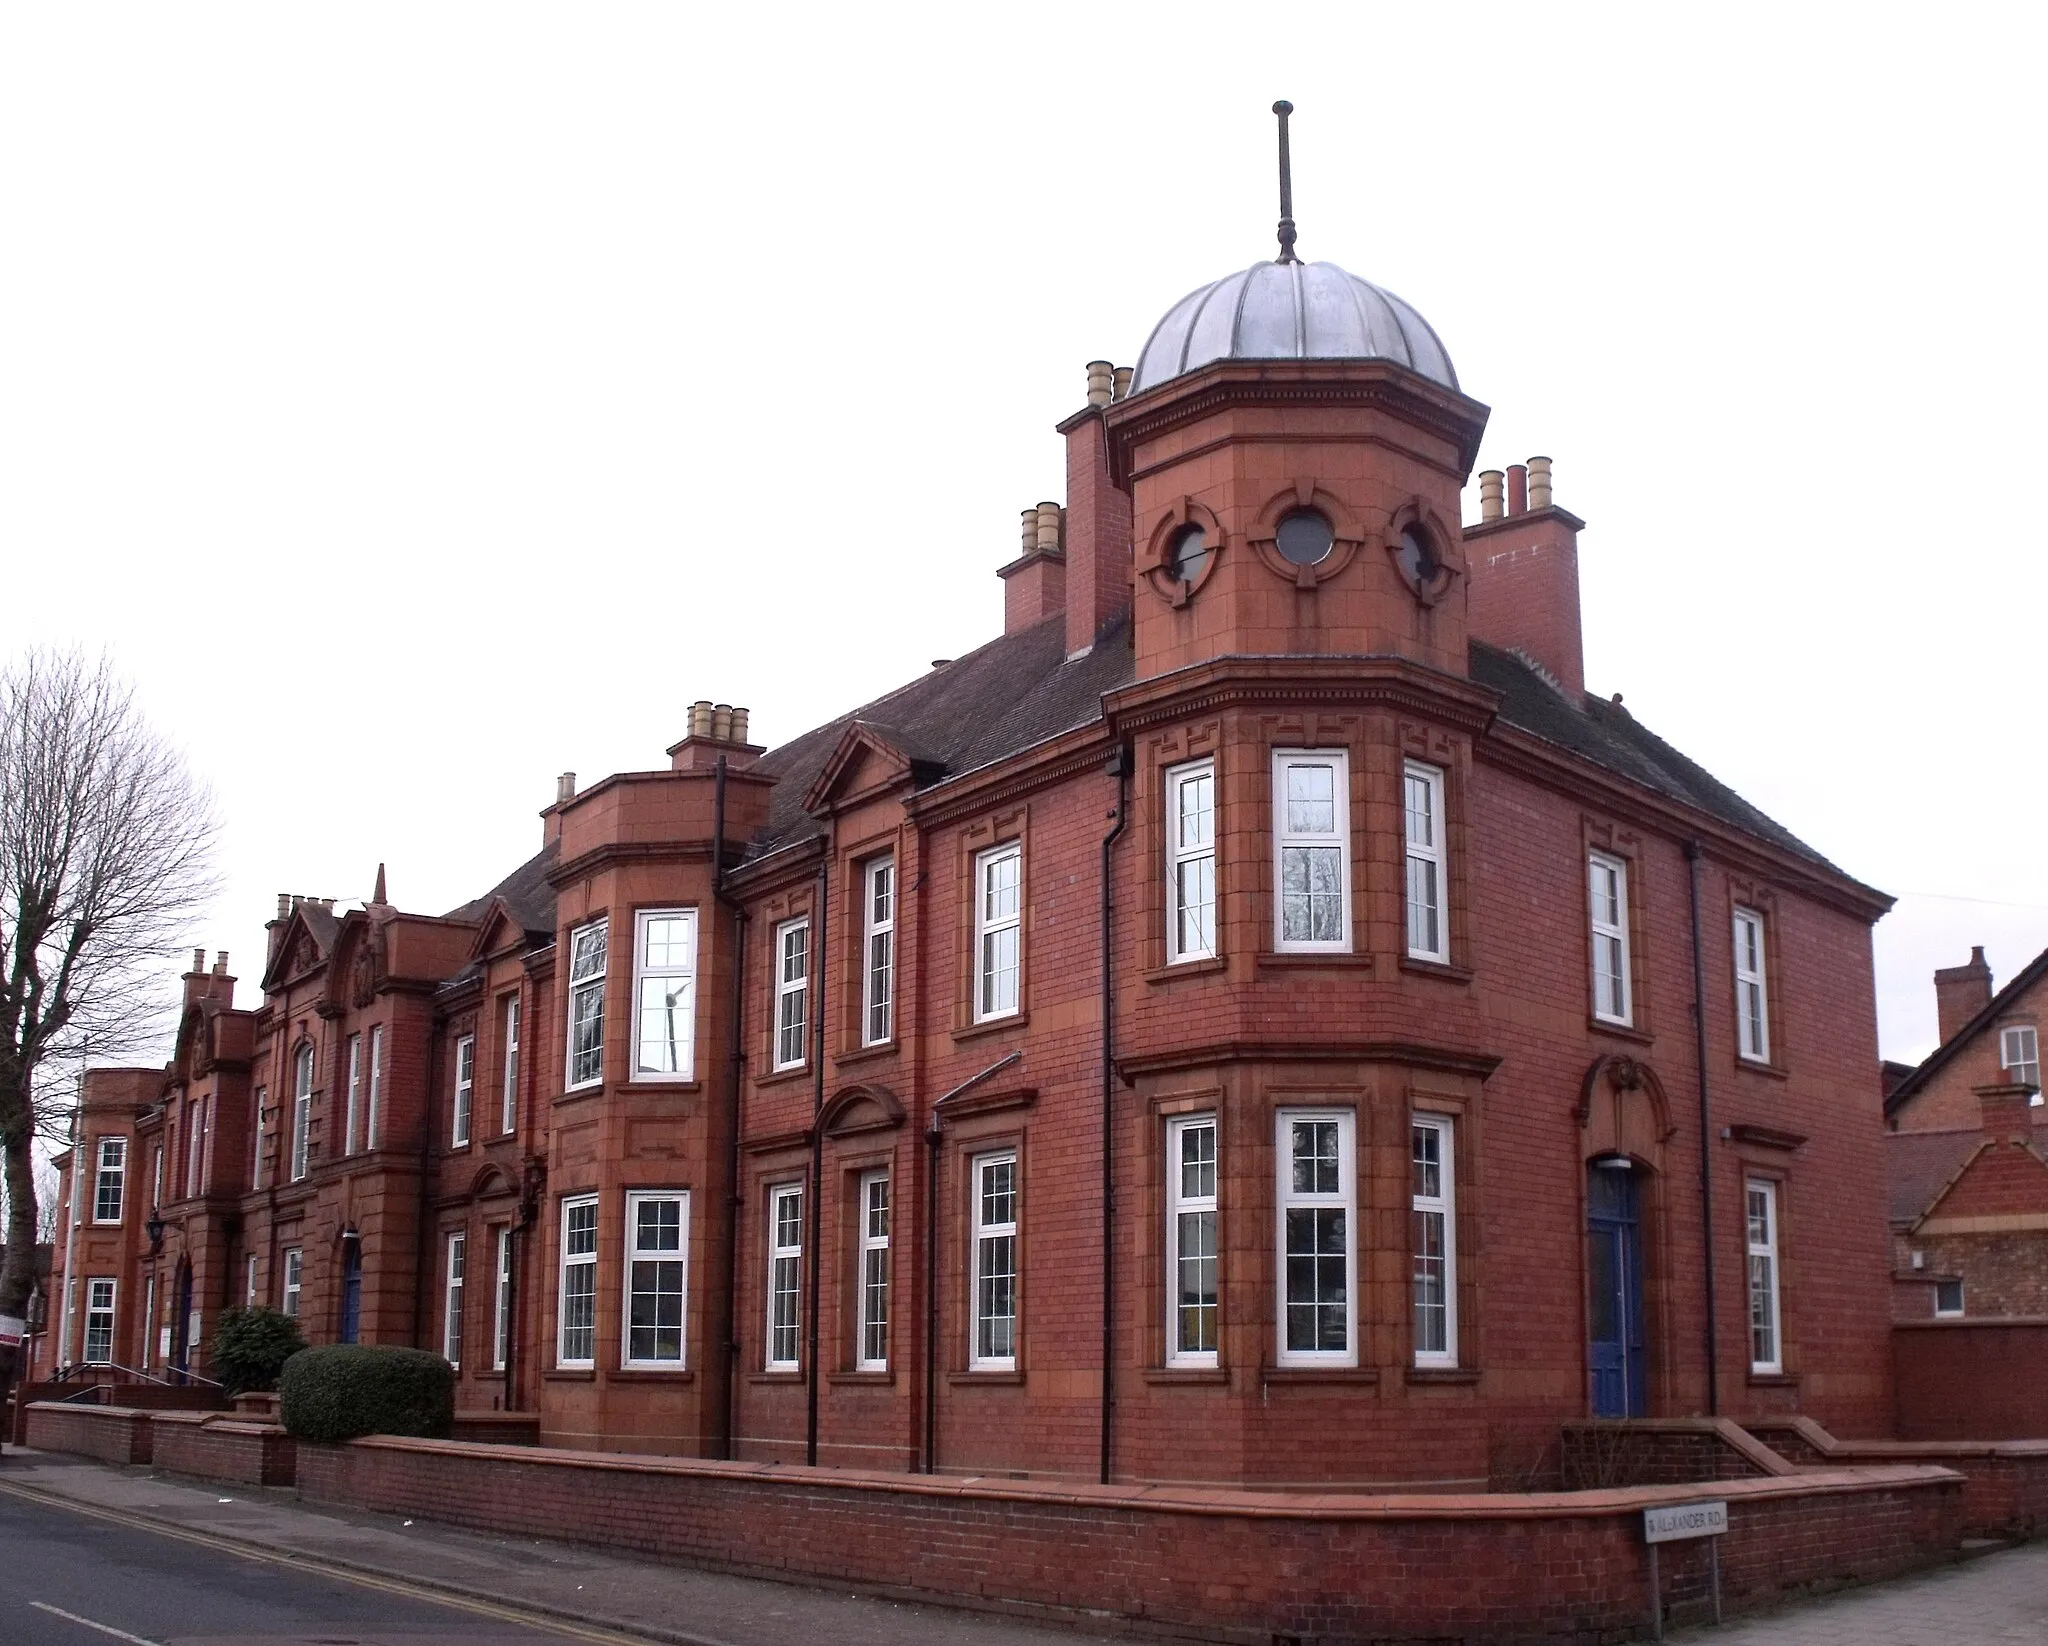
x=1418 y=558
x=1304 y=537
x=1188 y=556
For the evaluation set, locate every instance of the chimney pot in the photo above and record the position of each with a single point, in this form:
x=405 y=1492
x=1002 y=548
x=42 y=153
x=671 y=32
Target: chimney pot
x=199 y=960
x=1120 y=383
x=220 y=961
x=1049 y=528
x=565 y=788
x=721 y=723
x=1491 y=482
x=739 y=725
x=1518 y=488
x=1101 y=375
x=1030 y=519
x=1539 y=482
x=284 y=904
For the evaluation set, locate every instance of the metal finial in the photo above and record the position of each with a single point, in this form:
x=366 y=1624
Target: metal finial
x=1283 y=109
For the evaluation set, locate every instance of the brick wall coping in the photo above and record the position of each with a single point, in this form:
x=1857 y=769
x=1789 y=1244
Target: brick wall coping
x=1221 y=1502
x=1845 y=1451
x=1724 y=1429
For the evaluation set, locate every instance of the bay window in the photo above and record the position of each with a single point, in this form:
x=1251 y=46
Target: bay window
x=1434 y=1241
x=1191 y=862
x=1422 y=789
x=1317 y=1238
x=1312 y=843
x=665 y=989
x=576 y=1330
x=785 y=1275
x=657 y=1239
x=1191 y=1314
x=587 y=944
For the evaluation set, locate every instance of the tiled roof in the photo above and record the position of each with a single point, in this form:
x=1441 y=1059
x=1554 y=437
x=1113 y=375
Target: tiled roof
x=2022 y=980
x=1919 y=1165
x=526 y=893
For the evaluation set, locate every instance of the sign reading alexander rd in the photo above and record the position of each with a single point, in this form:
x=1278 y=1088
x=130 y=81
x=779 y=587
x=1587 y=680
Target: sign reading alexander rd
x=1683 y=1520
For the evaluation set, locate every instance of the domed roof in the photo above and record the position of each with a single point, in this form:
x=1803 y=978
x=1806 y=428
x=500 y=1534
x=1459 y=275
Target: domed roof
x=1290 y=311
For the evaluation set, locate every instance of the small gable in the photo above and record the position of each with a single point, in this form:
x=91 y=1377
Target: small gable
x=2000 y=1182
x=868 y=759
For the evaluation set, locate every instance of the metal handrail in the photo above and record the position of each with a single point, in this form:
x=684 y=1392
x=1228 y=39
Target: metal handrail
x=85 y=1368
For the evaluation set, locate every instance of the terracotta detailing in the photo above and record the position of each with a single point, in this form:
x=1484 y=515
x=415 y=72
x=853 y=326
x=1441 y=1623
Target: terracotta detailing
x=716 y=731
x=1518 y=488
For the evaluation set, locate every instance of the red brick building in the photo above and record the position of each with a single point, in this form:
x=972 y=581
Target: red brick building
x=1264 y=970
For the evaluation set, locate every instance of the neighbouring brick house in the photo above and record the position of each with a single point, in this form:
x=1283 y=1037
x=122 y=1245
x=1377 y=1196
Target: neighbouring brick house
x=1968 y=1155
x=1264 y=970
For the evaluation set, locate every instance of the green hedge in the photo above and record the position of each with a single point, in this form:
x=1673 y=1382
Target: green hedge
x=343 y=1390
x=250 y=1347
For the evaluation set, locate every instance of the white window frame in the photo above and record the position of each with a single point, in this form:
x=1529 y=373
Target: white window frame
x=989 y=1234
x=636 y=1255
x=1287 y=839
x=291 y=1280
x=1423 y=829
x=785 y=1278
x=198 y=1113
x=353 y=1113
x=156 y=1197
x=592 y=938
x=456 y=1260
x=302 y=1112
x=1609 y=936
x=2019 y=1054
x=261 y=1103
x=146 y=1359
x=501 y=1298
x=1962 y=1299
x=508 y=1111
x=1181 y=1203
x=1752 y=988
x=998 y=914
x=249 y=1292
x=1191 y=921
x=373 y=1119
x=1345 y=1199
x=110 y=1172
x=676 y=984
x=465 y=1091
x=577 y=1259
x=1443 y=1207
x=99 y=1307
x=871 y=1278
x=1766 y=1283
x=792 y=993
x=878 y=951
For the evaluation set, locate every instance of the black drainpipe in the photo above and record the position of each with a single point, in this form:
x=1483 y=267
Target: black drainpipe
x=735 y=1065
x=818 y=951
x=934 y=1131
x=1699 y=1018
x=1120 y=769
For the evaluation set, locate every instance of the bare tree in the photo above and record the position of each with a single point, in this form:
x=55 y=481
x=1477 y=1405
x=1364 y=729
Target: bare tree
x=104 y=846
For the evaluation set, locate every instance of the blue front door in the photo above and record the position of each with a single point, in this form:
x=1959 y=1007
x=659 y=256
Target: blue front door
x=351 y=1289
x=1614 y=1294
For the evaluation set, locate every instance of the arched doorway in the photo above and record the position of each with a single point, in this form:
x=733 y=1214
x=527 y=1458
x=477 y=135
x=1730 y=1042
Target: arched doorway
x=1625 y=1124
x=1616 y=1362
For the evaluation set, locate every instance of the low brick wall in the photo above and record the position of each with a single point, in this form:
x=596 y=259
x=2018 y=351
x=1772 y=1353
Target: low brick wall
x=498 y=1428
x=229 y=1450
x=2006 y=1494
x=1221 y=1565
x=113 y=1434
x=1664 y=1452
x=1970 y=1379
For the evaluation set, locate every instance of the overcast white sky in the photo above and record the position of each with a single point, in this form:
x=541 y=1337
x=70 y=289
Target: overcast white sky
x=411 y=397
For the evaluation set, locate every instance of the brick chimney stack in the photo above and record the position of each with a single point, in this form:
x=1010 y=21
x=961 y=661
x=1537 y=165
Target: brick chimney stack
x=1961 y=992
x=1098 y=520
x=2008 y=1111
x=1524 y=586
x=715 y=729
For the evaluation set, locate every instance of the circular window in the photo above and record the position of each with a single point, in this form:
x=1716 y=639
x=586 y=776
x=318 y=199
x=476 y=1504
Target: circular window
x=1189 y=554
x=1418 y=558
x=1304 y=538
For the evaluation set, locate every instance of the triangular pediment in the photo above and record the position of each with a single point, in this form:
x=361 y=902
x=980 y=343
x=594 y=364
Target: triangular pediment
x=1999 y=1181
x=498 y=931
x=301 y=948
x=868 y=760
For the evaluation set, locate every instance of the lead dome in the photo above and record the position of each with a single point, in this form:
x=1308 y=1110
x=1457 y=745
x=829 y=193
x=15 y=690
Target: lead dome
x=1291 y=311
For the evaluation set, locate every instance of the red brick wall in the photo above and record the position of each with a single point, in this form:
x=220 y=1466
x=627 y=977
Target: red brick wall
x=1972 y=1379
x=113 y=1434
x=223 y=1449
x=1214 y=1564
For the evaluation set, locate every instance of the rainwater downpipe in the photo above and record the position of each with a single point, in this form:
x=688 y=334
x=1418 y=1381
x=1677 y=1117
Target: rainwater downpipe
x=818 y=949
x=736 y=1069
x=1120 y=768
x=934 y=1133
x=1693 y=854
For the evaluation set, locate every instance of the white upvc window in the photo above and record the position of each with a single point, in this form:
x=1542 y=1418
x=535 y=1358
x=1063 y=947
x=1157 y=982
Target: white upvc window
x=451 y=1300
x=249 y=1293
x=873 y=1278
x=587 y=945
x=508 y=1099
x=1192 y=1315
x=1607 y=881
x=1312 y=846
x=1191 y=862
x=465 y=1090
x=2019 y=1054
x=109 y=1193
x=1752 y=1000
x=878 y=951
x=785 y=1276
x=657 y=1253
x=994 y=1348
x=998 y=930
x=1317 y=1240
x=1766 y=1354
x=302 y=1112
x=156 y=1194
x=352 y=1115
x=665 y=993
x=792 y=992
x=294 y=1280
x=1948 y=1298
x=260 y=1104
x=501 y=1301
x=99 y=1322
x=576 y=1329
x=373 y=1120
x=1422 y=789
x=1434 y=1240
x=148 y=1316
x=195 y=1146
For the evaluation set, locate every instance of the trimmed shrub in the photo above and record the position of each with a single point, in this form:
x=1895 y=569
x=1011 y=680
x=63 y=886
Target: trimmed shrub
x=341 y=1391
x=250 y=1347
